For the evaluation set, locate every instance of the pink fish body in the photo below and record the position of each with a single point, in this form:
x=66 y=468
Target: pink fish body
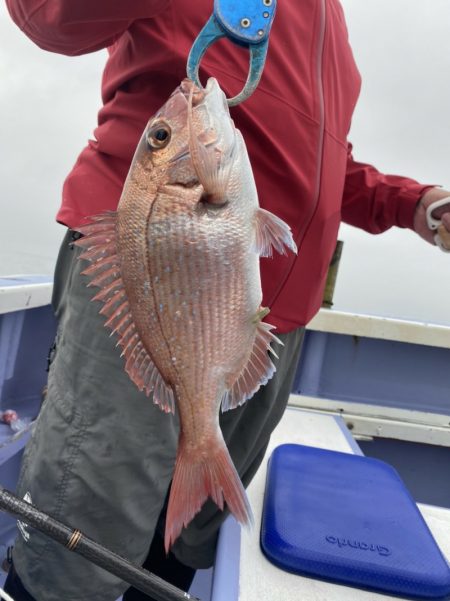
x=178 y=269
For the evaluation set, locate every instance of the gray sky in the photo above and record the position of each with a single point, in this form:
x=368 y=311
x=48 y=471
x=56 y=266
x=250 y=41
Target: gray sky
x=401 y=125
x=48 y=106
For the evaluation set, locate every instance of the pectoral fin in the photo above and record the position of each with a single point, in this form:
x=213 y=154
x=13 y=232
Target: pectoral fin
x=271 y=231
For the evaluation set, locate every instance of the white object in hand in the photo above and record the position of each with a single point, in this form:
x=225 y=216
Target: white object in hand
x=434 y=223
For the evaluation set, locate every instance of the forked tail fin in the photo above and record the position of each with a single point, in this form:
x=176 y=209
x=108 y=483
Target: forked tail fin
x=198 y=476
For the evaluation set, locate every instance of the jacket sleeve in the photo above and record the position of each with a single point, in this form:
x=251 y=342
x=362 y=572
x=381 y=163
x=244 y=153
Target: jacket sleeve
x=74 y=27
x=375 y=202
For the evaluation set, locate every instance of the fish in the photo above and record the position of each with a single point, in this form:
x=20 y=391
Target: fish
x=178 y=270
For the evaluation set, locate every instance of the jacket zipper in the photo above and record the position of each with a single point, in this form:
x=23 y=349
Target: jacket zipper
x=320 y=93
x=321 y=106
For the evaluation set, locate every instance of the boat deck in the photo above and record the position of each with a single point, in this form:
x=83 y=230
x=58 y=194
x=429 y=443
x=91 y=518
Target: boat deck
x=256 y=579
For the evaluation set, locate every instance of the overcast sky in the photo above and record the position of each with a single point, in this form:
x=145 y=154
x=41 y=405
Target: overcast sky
x=48 y=106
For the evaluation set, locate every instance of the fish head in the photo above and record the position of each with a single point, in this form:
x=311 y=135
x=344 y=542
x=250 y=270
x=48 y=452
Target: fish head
x=164 y=143
x=192 y=142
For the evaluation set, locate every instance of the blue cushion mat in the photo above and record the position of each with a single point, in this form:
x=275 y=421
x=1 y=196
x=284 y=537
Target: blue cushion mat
x=349 y=519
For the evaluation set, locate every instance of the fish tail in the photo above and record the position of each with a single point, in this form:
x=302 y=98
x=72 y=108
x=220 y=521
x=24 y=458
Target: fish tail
x=198 y=477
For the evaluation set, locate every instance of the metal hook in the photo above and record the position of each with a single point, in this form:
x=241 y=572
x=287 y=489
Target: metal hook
x=249 y=27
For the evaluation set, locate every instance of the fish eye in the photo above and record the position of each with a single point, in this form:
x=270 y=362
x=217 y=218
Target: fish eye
x=158 y=136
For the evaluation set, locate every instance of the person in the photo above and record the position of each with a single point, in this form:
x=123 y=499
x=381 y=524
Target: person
x=101 y=455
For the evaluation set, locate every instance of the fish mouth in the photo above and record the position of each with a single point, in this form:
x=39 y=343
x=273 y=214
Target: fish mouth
x=215 y=102
x=198 y=94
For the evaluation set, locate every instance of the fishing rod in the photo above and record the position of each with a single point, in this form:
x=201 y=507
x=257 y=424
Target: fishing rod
x=76 y=541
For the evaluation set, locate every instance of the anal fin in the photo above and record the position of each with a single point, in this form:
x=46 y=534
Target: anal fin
x=259 y=368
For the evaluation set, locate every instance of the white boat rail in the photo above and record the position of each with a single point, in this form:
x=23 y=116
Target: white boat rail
x=18 y=292
x=385 y=328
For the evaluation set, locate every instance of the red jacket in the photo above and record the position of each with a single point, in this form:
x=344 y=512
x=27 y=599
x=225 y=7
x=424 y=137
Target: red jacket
x=295 y=125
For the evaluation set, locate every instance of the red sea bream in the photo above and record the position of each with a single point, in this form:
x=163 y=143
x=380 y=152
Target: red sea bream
x=178 y=270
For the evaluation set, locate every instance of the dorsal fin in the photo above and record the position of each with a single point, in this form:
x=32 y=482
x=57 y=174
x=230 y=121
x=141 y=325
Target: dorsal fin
x=99 y=244
x=271 y=231
x=256 y=372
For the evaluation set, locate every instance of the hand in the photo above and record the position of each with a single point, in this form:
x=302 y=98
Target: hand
x=443 y=213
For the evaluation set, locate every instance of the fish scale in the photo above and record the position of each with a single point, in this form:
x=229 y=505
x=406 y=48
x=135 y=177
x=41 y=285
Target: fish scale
x=210 y=311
